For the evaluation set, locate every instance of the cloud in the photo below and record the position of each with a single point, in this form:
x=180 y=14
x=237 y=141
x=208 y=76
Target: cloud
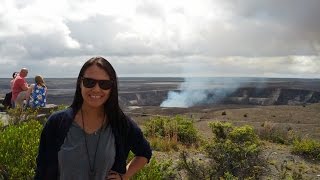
x=274 y=38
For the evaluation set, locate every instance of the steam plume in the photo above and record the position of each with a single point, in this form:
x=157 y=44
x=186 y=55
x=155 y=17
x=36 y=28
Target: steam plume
x=196 y=91
x=202 y=91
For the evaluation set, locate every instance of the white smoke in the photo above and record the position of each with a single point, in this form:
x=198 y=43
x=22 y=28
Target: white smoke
x=186 y=98
x=195 y=91
x=201 y=91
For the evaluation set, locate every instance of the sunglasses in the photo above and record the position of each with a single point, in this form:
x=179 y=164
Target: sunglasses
x=103 y=84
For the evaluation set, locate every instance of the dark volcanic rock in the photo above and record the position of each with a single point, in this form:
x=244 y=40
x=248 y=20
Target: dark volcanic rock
x=244 y=96
x=146 y=98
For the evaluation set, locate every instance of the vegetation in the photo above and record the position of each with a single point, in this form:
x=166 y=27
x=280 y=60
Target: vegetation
x=18 y=149
x=18 y=115
x=271 y=132
x=233 y=152
x=155 y=170
x=19 y=143
x=289 y=171
x=165 y=132
x=308 y=148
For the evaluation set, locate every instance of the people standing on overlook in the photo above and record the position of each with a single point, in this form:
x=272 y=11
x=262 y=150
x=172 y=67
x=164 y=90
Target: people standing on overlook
x=92 y=138
x=37 y=93
x=19 y=88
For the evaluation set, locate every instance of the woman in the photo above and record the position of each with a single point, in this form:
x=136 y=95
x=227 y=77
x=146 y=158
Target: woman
x=14 y=75
x=7 y=102
x=92 y=138
x=37 y=93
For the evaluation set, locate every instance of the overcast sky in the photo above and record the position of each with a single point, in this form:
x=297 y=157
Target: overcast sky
x=266 y=38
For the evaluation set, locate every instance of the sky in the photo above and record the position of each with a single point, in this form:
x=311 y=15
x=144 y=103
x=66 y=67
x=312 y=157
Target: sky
x=180 y=38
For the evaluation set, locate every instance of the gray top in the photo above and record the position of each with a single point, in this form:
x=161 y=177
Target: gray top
x=73 y=158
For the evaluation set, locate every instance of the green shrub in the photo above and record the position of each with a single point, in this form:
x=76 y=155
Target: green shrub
x=177 y=128
x=220 y=130
x=244 y=134
x=238 y=153
x=229 y=176
x=155 y=127
x=234 y=151
x=17 y=115
x=159 y=144
x=196 y=168
x=1 y=123
x=58 y=108
x=155 y=170
x=187 y=133
x=307 y=147
x=18 y=149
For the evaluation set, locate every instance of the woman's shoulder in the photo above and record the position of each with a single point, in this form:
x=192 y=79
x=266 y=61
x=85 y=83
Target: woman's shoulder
x=132 y=125
x=58 y=124
x=61 y=115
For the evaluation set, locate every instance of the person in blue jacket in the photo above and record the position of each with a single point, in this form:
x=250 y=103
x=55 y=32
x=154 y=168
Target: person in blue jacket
x=92 y=138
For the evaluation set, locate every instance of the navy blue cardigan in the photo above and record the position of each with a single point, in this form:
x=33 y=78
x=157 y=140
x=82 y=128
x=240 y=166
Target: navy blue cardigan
x=55 y=131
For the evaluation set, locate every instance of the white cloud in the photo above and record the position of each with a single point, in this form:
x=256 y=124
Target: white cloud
x=209 y=37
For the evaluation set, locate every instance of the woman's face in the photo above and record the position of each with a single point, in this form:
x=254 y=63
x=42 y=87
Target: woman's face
x=95 y=97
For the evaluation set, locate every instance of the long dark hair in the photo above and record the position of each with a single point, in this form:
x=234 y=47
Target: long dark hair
x=116 y=117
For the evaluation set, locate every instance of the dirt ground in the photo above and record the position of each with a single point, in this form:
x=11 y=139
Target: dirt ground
x=303 y=120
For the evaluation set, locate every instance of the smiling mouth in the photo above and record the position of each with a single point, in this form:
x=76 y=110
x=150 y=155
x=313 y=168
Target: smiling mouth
x=95 y=97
